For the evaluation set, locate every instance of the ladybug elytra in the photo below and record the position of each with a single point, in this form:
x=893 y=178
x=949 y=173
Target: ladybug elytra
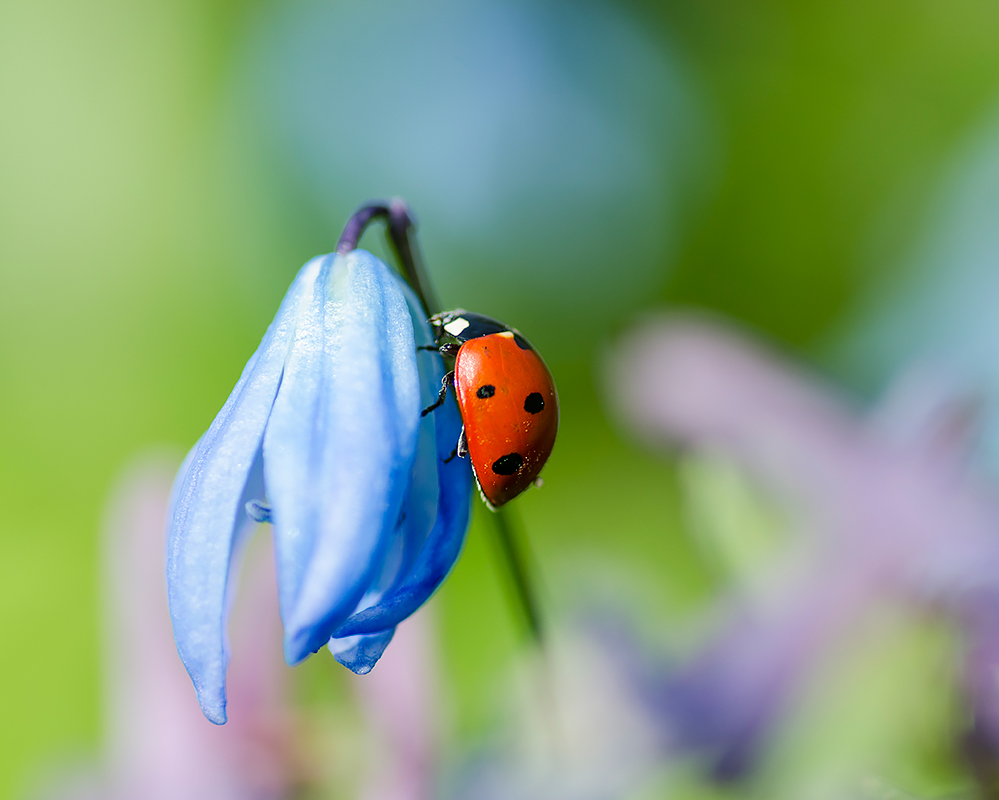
x=507 y=400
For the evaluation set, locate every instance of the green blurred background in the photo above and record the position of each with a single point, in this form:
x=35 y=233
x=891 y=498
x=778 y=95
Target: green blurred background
x=166 y=167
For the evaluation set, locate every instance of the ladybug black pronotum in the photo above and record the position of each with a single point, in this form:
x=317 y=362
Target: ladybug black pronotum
x=507 y=401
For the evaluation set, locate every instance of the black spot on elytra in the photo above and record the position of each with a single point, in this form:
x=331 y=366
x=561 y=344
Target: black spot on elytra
x=534 y=403
x=486 y=390
x=508 y=464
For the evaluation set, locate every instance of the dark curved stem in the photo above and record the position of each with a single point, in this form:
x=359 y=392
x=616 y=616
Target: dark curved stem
x=401 y=228
x=358 y=221
x=513 y=555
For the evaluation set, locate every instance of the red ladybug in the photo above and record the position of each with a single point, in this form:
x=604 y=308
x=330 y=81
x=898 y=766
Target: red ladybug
x=507 y=401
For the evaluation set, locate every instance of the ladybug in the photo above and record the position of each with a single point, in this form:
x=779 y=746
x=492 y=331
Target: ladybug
x=507 y=400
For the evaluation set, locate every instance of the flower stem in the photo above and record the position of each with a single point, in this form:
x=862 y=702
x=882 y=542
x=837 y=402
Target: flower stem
x=512 y=552
x=401 y=227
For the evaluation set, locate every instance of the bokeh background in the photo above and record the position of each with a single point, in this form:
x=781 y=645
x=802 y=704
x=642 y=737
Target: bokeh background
x=825 y=174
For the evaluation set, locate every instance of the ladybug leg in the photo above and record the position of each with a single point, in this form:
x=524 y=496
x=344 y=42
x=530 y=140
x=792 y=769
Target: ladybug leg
x=461 y=450
x=449 y=349
x=441 y=395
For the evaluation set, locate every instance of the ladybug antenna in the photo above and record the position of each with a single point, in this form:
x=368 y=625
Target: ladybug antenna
x=513 y=553
x=401 y=230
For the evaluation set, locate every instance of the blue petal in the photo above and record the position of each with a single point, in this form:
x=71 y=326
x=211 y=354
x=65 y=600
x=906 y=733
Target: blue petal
x=419 y=510
x=423 y=490
x=340 y=444
x=207 y=514
x=360 y=653
x=441 y=548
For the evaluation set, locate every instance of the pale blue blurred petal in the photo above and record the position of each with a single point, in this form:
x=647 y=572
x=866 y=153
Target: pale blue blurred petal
x=207 y=514
x=340 y=445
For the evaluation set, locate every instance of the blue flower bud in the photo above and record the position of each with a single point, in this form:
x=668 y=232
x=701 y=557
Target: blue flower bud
x=322 y=436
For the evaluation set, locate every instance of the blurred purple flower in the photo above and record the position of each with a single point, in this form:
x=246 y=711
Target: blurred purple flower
x=158 y=746
x=400 y=701
x=885 y=505
x=575 y=729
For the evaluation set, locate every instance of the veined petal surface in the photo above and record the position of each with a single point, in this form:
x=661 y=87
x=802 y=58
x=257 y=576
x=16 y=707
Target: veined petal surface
x=423 y=489
x=340 y=444
x=361 y=653
x=420 y=508
x=207 y=518
x=437 y=551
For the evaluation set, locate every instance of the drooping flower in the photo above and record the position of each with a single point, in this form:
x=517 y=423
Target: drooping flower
x=322 y=436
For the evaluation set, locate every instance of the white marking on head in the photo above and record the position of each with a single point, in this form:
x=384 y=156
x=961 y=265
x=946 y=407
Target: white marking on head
x=456 y=326
x=507 y=334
